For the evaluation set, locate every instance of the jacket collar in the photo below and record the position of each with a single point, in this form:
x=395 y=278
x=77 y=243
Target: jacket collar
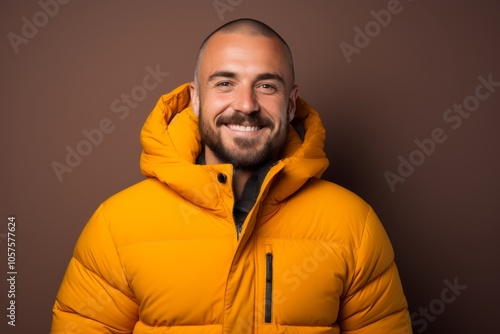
x=171 y=143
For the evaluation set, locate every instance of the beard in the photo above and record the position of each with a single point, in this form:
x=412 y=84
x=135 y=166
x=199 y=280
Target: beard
x=247 y=153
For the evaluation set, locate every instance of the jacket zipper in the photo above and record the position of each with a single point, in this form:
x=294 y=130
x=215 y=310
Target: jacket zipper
x=239 y=228
x=269 y=286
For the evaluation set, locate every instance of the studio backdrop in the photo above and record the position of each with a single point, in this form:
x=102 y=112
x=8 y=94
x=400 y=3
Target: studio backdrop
x=409 y=93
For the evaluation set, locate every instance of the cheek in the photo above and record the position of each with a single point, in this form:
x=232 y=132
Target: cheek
x=278 y=112
x=212 y=106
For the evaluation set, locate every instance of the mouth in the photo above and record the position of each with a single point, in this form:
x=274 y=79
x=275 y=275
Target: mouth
x=244 y=128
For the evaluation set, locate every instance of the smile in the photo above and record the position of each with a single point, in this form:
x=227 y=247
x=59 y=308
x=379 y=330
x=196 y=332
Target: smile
x=243 y=128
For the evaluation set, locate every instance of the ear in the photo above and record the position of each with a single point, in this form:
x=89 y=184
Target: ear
x=195 y=98
x=292 y=105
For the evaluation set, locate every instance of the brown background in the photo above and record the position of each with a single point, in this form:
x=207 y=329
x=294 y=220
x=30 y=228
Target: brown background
x=442 y=220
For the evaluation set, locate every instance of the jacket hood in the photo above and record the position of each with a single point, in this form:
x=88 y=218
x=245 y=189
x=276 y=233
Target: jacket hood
x=171 y=143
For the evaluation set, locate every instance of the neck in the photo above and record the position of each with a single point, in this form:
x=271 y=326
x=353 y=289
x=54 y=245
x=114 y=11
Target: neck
x=240 y=178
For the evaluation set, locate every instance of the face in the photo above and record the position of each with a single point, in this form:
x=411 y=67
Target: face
x=244 y=99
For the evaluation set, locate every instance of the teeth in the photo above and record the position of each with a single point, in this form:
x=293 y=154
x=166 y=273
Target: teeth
x=243 y=128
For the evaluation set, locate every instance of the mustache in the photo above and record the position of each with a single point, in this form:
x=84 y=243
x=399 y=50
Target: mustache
x=238 y=118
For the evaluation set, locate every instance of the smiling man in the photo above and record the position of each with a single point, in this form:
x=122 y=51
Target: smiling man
x=233 y=231
x=244 y=95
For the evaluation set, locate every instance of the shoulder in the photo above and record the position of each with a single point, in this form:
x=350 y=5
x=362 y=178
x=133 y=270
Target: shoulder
x=328 y=211
x=140 y=202
x=331 y=196
x=138 y=211
x=147 y=191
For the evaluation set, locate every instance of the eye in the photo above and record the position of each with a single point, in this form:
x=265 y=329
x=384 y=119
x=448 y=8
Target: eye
x=267 y=88
x=224 y=85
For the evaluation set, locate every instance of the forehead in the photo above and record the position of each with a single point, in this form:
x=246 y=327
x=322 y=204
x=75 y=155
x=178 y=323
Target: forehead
x=244 y=53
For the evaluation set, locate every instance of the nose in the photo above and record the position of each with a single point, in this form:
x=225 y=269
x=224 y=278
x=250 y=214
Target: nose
x=245 y=100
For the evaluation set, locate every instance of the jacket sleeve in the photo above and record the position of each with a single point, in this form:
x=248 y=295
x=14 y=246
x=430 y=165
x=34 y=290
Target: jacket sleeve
x=94 y=296
x=374 y=302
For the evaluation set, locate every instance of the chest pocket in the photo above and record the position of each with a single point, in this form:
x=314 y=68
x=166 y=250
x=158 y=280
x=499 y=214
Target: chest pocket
x=299 y=284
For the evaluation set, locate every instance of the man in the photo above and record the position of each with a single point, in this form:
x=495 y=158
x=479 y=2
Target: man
x=233 y=231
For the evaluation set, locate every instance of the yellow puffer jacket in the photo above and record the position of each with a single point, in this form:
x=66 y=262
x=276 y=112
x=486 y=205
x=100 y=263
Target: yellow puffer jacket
x=163 y=256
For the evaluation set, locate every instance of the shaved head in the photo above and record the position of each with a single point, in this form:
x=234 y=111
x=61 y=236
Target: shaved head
x=244 y=94
x=249 y=27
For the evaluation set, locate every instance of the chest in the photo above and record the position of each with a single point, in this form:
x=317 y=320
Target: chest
x=273 y=279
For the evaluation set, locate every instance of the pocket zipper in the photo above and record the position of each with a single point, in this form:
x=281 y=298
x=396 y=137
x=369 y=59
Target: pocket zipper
x=269 y=286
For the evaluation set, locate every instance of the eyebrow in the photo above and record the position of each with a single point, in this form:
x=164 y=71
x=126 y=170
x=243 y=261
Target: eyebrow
x=260 y=77
x=270 y=76
x=222 y=74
